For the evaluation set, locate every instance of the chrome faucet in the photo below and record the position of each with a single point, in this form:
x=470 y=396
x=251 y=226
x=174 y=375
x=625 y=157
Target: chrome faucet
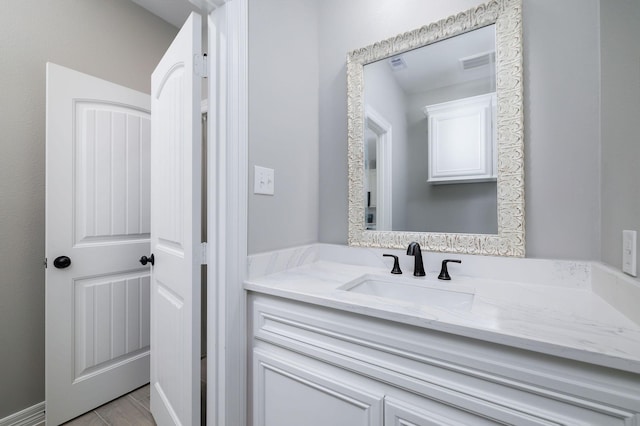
x=414 y=250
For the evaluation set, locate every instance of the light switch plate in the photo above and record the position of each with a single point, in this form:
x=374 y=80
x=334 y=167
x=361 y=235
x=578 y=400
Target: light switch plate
x=263 y=180
x=629 y=252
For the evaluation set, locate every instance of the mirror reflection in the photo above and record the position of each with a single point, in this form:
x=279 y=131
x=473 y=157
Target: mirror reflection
x=429 y=138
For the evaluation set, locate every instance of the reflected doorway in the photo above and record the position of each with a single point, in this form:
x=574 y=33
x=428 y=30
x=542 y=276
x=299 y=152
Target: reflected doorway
x=378 y=165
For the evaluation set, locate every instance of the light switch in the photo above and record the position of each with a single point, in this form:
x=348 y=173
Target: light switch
x=629 y=252
x=263 y=180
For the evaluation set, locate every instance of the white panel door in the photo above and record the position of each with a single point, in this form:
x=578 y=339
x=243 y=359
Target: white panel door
x=97 y=216
x=175 y=231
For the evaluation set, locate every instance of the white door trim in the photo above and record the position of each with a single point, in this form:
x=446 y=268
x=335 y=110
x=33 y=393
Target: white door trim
x=383 y=129
x=227 y=214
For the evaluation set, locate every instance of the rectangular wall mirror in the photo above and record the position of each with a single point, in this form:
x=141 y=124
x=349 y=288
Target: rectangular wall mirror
x=436 y=136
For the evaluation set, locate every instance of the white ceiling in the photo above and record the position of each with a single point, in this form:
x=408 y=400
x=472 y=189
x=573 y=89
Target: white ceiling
x=438 y=64
x=174 y=12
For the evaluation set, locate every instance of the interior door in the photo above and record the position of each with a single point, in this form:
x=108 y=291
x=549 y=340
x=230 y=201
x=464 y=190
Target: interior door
x=175 y=230
x=97 y=227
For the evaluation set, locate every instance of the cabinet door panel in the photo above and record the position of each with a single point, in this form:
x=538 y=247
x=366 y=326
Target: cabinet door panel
x=461 y=140
x=412 y=410
x=286 y=394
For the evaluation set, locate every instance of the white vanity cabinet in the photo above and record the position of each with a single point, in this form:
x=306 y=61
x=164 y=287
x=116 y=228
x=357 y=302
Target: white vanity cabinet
x=461 y=140
x=317 y=366
x=290 y=390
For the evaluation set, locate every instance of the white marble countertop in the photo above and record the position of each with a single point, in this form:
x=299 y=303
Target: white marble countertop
x=568 y=322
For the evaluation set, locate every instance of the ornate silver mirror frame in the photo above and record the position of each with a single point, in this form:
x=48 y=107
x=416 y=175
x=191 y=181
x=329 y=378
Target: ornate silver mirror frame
x=510 y=240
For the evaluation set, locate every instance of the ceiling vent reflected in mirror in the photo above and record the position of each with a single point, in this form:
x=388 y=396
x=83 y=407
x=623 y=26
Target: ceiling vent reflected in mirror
x=477 y=61
x=397 y=63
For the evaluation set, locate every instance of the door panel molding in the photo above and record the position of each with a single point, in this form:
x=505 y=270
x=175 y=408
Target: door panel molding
x=111 y=316
x=116 y=210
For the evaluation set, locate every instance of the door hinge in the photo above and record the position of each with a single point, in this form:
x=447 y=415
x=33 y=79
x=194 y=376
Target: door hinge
x=200 y=66
x=45 y=263
x=203 y=254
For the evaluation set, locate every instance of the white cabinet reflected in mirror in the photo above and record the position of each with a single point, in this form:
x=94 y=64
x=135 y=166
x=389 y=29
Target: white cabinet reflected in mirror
x=461 y=142
x=436 y=136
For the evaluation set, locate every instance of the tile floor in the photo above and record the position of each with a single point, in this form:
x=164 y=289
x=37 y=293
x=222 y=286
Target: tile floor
x=131 y=409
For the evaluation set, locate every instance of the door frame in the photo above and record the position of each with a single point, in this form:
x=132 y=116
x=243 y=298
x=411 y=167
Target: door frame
x=383 y=129
x=227 y=186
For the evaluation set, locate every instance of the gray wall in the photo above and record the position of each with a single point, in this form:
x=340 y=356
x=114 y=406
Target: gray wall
x=115 y=40
x=283 y=121
x=345 y=26
x=387 y=98
x=574 y=164
x=562 y=130
x=620 y=56
x=561 y=53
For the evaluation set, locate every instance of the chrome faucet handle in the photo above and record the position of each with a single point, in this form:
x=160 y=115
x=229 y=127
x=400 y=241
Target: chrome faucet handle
x=396 y=264
x=444 y=273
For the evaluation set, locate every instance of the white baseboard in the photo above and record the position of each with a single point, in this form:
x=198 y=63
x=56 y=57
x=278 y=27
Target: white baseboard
x=31 y=416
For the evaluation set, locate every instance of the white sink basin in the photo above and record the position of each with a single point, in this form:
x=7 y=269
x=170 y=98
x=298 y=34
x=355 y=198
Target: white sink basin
x=413 y=290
